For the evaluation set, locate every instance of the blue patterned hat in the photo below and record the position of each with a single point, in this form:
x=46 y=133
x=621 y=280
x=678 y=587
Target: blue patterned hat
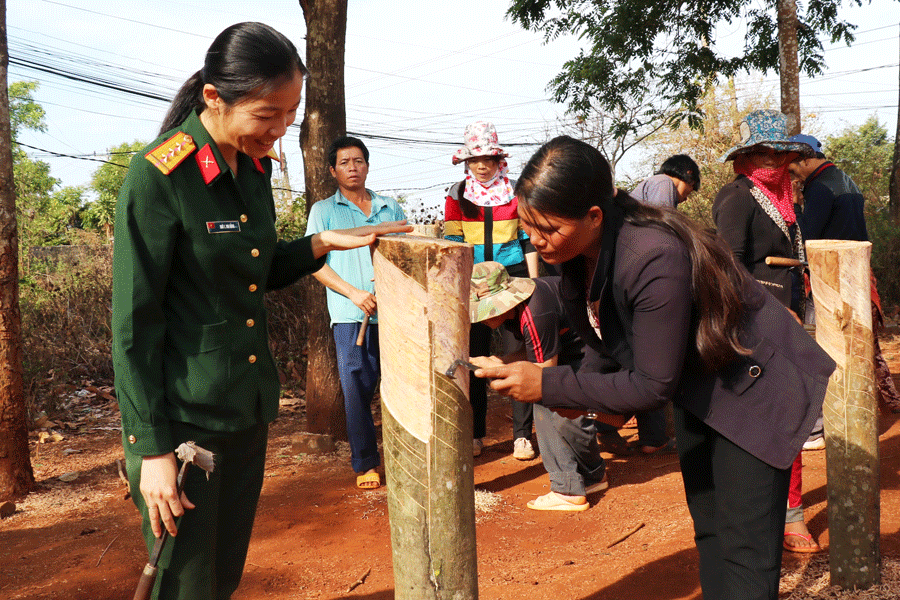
x=766 y=128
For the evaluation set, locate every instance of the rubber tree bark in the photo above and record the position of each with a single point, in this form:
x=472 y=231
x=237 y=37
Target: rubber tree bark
x=16 y=474
x=788 y=64
x=839 y=272
x=324 y=119
x=423 y=327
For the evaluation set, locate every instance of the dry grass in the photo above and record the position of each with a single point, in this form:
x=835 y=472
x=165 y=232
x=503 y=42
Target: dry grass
x=812 y=582
x=66 y=304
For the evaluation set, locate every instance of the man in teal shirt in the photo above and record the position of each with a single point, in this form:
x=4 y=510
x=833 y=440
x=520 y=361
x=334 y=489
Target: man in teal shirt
x=348 y=275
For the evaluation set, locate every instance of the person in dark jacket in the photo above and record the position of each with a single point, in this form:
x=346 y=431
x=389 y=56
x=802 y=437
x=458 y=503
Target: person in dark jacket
x=833 y=205
x=195 y=251
x=666 y=313
x=755 y=216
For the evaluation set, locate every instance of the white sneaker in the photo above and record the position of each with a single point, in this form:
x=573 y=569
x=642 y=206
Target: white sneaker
x=477 y=446
x=814 y=444
x=522 y=449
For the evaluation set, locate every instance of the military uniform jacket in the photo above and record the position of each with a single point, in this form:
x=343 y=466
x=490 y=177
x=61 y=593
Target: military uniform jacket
x=195 y=250
x=765 y=403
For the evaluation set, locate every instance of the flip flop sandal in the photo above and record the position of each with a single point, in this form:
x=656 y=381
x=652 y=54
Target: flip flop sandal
x=801 y=549
x=597 y=486
x=368 y=481
x=553 y=501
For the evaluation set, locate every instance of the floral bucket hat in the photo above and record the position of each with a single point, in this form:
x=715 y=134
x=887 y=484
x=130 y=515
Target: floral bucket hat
x=766 y=128
x=493 y=291
x=480 y=140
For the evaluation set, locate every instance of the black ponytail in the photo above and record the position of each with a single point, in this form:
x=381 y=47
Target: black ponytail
x=245 y=61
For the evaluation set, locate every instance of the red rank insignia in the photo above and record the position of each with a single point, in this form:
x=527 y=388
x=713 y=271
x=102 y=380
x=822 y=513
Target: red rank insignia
x=259 y=166
x=206 y=160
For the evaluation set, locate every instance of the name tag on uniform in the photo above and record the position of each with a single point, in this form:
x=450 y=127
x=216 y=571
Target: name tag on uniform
x=223 y=226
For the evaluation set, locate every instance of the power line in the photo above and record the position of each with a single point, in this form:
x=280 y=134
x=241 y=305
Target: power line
x=63 y=155
x=128 y=20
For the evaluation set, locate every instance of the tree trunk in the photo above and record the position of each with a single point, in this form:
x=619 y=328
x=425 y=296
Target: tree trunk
x=839 y=272
x=894 y=186
x=324 y=120
x=788 y=64
x=16 y=475
x=423 y=288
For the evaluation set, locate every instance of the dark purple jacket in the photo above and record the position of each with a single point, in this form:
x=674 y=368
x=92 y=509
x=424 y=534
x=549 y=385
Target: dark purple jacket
x=766 y=404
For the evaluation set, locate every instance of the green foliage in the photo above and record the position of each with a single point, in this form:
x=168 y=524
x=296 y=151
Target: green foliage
x=106 y=181
x=24 y=112
x=291 y=217
x=46 y=216
x=884 y=234
x=865 y=153
x=635 y=45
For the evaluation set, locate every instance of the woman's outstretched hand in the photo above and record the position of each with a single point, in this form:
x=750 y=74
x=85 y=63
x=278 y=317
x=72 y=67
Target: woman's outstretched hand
x=346 y=239
x=519 y=380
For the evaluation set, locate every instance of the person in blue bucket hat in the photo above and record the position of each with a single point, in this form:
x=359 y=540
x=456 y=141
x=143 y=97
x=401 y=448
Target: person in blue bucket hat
x=755 y=216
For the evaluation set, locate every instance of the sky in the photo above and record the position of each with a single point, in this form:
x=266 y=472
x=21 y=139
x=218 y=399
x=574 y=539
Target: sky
x=417 y=72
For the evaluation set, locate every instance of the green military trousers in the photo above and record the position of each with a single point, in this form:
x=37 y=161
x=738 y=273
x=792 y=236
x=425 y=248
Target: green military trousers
x=205 y=560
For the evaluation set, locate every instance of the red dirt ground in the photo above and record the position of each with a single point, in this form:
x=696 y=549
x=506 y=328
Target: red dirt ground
x=316 y=534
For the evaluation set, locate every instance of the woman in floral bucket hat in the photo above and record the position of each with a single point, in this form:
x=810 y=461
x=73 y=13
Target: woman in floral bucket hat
x=755 y=215
x=482 y=210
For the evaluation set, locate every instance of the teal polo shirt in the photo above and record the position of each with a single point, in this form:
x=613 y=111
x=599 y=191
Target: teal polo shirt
x=353 y=266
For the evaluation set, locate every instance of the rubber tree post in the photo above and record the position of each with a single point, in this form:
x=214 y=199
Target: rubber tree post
x=839 y=273
x=423 y=327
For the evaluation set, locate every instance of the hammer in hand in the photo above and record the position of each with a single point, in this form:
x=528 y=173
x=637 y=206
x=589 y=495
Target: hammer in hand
x=188 y=453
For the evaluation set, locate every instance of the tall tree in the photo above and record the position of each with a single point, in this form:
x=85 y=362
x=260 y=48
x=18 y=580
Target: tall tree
x=672 y=44
x=324 y=120
x=894 y=202
x=16 y=474
x=788 y=66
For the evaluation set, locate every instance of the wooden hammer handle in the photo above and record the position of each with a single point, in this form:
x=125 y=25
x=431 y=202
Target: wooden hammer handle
x=362 y=331
x=780 y=261
x=145 y=585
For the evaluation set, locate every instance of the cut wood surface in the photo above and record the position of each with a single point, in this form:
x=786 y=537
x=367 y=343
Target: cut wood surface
x=423 y=295
x=839 y=273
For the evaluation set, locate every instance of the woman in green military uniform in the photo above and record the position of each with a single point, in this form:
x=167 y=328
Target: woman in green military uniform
x=195 y=249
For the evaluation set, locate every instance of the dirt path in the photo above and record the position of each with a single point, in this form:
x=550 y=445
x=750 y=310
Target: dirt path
x=316 y=534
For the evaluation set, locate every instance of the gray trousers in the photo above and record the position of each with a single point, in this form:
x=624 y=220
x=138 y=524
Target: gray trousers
x=569 y=450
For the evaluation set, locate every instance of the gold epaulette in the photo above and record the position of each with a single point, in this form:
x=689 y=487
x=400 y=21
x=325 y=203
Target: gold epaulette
x=273 y=155
x=171 y=152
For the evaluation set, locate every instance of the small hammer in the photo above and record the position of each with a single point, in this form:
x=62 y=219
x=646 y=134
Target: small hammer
x=189 y=453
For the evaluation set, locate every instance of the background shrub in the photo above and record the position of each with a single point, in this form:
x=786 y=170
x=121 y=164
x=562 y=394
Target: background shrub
x=66 y=301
